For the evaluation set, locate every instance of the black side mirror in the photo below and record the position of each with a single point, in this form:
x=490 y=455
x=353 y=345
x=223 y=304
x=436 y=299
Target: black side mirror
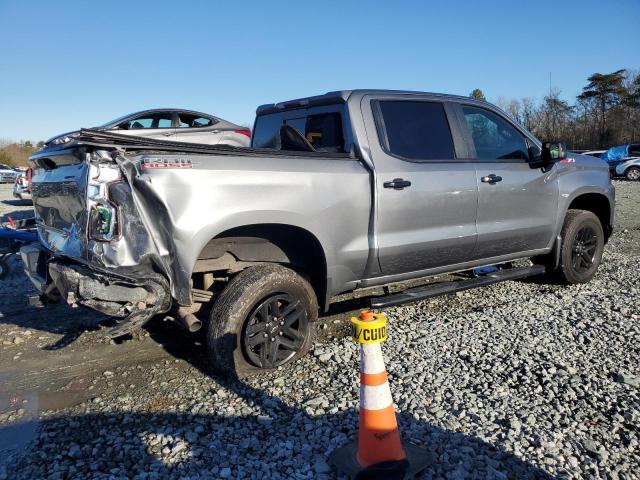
x=552 y=152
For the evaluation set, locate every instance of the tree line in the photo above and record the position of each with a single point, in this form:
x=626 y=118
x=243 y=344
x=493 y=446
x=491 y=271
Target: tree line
x=16 y=154
x=604 y=114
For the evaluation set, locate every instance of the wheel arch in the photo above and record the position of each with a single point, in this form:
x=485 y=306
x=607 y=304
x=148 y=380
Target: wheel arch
x=285 y=244
x=599 y=205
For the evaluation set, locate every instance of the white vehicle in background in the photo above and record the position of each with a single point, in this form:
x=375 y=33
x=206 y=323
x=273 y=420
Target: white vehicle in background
x=624 y=161
x=630 y=169
x=22 y=185
x=172 y=124
x=8 y=174
x=594 y=153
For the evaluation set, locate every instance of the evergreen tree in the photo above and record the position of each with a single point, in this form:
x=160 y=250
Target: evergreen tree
x=606 y=89
x=477 y=94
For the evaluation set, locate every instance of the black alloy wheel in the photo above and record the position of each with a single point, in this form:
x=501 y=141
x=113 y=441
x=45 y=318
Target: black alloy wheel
x=584 y=248
x=275 y=331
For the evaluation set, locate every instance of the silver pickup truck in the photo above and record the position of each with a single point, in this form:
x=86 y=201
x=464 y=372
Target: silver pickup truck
x=337 y=192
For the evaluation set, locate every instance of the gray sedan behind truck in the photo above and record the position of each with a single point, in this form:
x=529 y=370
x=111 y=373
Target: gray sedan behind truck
x=338 y=192
x=172 y=124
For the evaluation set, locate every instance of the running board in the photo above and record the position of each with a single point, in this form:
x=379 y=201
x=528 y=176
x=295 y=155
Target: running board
x=445 y=288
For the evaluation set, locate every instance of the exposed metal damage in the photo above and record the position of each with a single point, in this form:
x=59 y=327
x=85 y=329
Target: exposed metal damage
x=133 y=300
x=114 y=234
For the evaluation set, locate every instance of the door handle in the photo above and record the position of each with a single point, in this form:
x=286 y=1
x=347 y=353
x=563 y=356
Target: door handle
x=397 y=184
x=491 y=179
x=167 y=134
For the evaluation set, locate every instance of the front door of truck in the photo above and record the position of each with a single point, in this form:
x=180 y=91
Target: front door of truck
x=426 y=191
x=517 y=204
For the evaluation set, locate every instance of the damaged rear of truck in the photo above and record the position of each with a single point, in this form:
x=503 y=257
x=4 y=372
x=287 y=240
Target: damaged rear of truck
x=96 y=230
x=135 y=227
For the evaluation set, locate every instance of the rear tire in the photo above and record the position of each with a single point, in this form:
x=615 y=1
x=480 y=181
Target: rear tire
x=633 y=174
x=264 y=318
x=580 y=250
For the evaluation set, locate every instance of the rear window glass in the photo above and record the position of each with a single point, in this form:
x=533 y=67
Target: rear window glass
x=188 y=120
x=322 y=130
x=265 y=131
x=415 y=130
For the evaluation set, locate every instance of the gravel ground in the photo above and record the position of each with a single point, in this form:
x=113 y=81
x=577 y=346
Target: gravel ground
x=519 y=380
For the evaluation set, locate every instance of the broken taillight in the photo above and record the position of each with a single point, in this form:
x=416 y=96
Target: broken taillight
x=243 y=131
x=103 y=213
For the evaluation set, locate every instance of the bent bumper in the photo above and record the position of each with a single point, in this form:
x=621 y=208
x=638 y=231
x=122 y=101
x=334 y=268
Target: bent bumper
x=136 y=299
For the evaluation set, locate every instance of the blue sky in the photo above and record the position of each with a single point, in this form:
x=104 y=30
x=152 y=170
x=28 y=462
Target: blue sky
x=71 y=64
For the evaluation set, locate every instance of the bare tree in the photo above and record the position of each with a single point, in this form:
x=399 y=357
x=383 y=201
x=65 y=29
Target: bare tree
x=515 y=110
x=528 y=110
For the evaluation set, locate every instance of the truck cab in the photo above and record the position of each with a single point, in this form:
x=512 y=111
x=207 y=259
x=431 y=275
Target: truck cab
x=456 y=182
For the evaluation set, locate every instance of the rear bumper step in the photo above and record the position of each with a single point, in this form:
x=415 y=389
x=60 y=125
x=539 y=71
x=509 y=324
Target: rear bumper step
x=445 y=288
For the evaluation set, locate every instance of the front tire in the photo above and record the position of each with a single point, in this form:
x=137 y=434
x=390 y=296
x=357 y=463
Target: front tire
x=264 y=318
x=582 y=247
x=632 y=173
x=581 y=250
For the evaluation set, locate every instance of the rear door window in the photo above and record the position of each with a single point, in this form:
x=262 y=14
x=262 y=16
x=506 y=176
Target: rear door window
x=415 y=130
x=494 y=137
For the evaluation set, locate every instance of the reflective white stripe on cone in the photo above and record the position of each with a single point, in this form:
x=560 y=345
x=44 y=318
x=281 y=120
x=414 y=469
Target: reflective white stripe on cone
x=375 y=398
x=371 y=360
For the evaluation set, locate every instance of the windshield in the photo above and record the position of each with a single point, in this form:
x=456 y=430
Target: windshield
x=118 y=120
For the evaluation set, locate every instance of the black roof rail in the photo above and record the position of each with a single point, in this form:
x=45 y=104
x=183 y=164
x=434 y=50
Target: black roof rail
x=328 y=98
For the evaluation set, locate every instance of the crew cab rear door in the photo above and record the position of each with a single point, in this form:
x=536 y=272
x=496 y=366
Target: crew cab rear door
x=425 y=188
x=517 y=204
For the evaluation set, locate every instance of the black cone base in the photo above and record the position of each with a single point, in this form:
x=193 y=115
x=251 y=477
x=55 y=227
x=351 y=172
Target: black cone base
x=344 y=459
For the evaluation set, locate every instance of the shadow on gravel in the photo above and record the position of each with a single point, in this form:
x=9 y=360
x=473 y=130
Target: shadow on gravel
x=67 y=339
x=277 y=443
x=126 y=444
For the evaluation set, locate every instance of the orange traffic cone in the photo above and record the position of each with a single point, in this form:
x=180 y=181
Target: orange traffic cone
x=379 y=452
